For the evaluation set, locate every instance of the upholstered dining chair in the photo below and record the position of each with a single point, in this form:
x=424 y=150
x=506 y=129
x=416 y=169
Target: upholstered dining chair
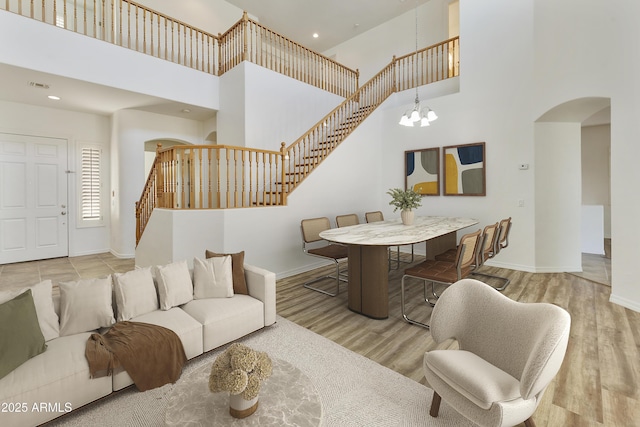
x=347 y=220
x=498 y=375
x=443 y=272
x=312 y=244
x=376 y=216
x=490 y=248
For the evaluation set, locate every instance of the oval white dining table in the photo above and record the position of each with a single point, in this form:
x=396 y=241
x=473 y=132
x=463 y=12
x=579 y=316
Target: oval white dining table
x=368 y=254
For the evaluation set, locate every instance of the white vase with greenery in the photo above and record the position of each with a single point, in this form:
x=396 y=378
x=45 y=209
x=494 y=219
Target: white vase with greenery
x=406 y=201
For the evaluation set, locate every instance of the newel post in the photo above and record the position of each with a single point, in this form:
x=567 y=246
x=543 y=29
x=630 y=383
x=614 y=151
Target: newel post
x=284 y=156
x=393 y=72
x=159 y=177
x=245 y=33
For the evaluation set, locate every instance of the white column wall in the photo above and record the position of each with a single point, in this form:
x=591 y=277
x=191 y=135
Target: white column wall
x=558 y=197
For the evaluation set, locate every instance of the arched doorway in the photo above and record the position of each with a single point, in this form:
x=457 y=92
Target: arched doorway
x=572 y=143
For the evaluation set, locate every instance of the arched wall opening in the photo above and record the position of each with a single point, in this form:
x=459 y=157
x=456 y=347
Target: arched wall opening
x=151 y=146
x=560 y=210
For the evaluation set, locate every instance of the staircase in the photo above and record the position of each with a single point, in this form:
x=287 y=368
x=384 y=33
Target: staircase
x=224 y=176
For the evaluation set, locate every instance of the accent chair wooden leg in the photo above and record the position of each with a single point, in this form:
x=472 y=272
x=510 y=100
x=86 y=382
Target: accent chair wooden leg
x=435 y=405
x=529 y=422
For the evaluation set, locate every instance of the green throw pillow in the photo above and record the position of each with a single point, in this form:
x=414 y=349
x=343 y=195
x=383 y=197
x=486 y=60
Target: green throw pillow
x=20 y=334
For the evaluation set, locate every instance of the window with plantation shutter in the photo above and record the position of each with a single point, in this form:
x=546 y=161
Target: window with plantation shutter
x=90 y=188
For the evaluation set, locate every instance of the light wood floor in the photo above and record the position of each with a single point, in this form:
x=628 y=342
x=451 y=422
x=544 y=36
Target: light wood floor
x=597 y=384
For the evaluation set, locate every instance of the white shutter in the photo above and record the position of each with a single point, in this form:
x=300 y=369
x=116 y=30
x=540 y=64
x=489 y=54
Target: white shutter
x=90 y=209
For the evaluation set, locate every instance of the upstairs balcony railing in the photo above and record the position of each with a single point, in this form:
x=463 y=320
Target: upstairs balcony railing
x=137 y=27
x=222 y=176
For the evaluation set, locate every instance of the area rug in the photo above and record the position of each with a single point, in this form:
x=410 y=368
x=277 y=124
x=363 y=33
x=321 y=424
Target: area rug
x=354 y=390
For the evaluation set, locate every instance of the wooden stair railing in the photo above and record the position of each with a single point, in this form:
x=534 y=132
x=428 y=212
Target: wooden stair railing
x=248 y=40
x=131 y=25
x=222 y=176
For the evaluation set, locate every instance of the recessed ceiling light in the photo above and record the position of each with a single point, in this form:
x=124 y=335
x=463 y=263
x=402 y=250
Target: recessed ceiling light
x=55 y=98
x=315 y=35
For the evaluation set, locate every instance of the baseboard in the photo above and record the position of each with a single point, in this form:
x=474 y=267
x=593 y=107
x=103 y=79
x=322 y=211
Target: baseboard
x=123 y=256
x=92 y=252
x=303 y=269
x=624 y=302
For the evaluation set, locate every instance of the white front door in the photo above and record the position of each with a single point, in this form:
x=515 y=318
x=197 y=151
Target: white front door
x=33 y=198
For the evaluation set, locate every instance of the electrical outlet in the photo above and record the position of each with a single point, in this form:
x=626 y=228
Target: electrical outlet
x=521 y=203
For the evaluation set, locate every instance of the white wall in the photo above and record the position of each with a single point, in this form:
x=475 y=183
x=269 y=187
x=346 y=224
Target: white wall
x=212 y=16
x=578 y=54
x=39 y=48
x=596 y=171
x=558 y=197
x=372 y=50
x=130 y=130
x=75 y=128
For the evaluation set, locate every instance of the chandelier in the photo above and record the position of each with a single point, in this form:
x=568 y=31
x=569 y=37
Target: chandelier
x=417 y=116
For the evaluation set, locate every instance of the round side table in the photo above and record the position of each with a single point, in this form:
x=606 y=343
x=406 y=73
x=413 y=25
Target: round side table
x=287 y=398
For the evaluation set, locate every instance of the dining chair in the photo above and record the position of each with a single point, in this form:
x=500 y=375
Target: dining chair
x=314 y=245
x=497 y=375
x=347 y=220
x=492 y=235
x=442 y=272
x=376 y=216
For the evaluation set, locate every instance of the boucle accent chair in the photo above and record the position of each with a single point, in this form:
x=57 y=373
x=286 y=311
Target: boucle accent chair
x=498 y=375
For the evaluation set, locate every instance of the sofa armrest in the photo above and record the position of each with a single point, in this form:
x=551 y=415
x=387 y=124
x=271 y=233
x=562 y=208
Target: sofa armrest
x=261 y=285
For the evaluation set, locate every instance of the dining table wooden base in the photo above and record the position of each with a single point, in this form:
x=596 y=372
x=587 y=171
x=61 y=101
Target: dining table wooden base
x=368 y=284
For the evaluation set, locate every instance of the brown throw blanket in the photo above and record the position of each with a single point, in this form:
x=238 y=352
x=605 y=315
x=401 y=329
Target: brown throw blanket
x=152 y=355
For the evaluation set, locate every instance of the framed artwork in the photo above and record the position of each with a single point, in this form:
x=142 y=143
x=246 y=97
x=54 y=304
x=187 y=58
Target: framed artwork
x=422 y=171
x=465 y=170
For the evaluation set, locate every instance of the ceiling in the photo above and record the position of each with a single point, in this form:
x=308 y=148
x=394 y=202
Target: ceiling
x=334 y=20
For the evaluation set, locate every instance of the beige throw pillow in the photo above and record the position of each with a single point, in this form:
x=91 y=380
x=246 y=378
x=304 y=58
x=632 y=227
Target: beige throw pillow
x=85 y=305
x=43 y=301
x=212 y=278
x=135 y=293
x=174 y=284
x=237 y=265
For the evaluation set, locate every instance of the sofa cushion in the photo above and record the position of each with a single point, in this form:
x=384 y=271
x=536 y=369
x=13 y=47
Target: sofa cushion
x=212 y=278
x=85 y=305
x=226 y=319
x=135 y=293
x=174 y=284
x=59 y=376
x=47 y=317
x=237 y=265
x=20 y=334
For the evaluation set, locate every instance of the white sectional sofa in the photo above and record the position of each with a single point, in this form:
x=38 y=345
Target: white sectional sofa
x=57 y=380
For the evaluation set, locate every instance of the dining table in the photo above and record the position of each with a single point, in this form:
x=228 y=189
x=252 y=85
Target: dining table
x=368 y=259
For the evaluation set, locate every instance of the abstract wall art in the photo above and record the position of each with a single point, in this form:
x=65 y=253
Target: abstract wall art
x=465 y=170
x=422 y=171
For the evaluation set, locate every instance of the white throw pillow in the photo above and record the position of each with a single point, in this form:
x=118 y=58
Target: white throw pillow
x=85 y=305
x=212 y=278
x=135 y=293
x=174 y=284
x=43 y=300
